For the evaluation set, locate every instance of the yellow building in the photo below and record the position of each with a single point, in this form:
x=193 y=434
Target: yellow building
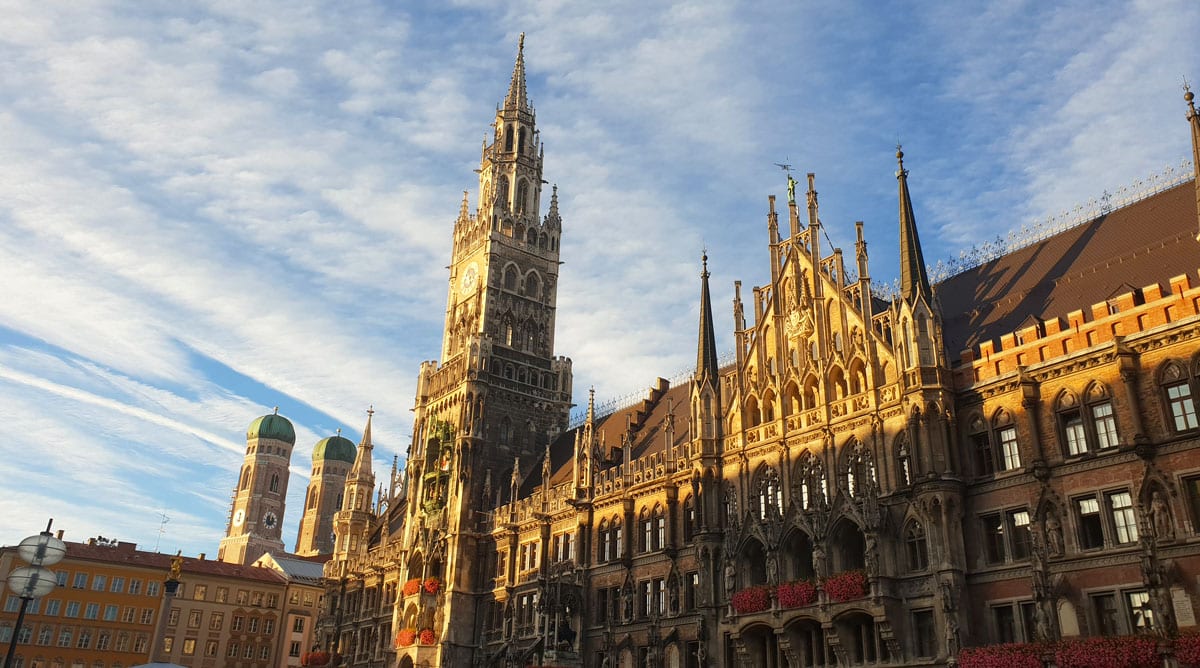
x=105 y=611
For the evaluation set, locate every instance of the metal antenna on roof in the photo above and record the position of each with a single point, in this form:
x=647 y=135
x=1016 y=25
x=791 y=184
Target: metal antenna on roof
x=162 y=528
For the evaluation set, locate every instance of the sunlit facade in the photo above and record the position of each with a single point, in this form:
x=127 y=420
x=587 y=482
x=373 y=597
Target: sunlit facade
x=1009 y=454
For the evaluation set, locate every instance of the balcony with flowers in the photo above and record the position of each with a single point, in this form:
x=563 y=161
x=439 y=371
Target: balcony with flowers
x=1135 y=651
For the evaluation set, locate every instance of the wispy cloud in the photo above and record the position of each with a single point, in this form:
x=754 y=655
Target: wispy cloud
x=209 y=211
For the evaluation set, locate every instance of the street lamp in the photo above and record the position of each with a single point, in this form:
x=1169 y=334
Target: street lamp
x=35 y=580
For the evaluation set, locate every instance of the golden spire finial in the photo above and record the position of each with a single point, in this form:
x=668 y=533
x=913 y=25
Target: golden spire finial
x=276 y=410
x=521 y=42
x=371 y=409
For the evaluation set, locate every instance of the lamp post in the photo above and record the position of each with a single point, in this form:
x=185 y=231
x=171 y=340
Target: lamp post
x=35 y=580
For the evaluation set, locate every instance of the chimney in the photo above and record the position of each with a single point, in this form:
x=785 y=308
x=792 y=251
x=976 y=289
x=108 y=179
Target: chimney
x=201 y=556
x=60 y=534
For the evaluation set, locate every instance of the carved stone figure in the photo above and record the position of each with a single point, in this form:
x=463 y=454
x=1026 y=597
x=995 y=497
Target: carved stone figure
x=730 y=577
x=1054 y=535
x=1041 y=623
x=1160 y=517
x=772 y=570
x=819 y=560
x=871 y=555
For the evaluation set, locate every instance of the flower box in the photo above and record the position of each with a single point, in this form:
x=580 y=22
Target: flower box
x=796 y=594
x=432 y=585
x=428 y=637
x=315 y=658
x=846 y=586
x=752 y=599
x=1011 y=655
x=412 y=586
x=1187 y=650
x=1115 y=652
x=406 y=637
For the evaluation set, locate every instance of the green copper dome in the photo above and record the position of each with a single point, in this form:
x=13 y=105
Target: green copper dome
x=334 y=448
x=272 y=426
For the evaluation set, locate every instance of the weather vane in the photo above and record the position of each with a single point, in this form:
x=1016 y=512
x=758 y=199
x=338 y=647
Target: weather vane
x=787 y=168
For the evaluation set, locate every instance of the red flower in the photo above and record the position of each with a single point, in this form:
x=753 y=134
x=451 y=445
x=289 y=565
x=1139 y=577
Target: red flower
x=1012 y=655
x=406 y=637
x=315 y=658
x=431 y=586
x=751 y=599
x=1187 y=650
x=412 y=586
x=1115 y=652
x=796 y=594
x=427 y=637
x=846 y=586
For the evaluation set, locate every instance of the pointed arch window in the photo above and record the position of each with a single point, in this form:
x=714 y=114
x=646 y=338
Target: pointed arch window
x=522 y=196
x=274 y=483
x=508 y=138
x=1088 y=425
x=860 y=470
x=660 y=528
x=768 y=496
x=510 y=278
x=915 y=546
x=1180 y=391
x=646 y=540
x=602 y=540
x=811 y=476
x=689 y=519
x=502 y=191
x=521 y=140
x=903 y=462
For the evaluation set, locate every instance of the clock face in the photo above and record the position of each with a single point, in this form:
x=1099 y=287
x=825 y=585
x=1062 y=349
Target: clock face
x=269 y=520
x=239 y=517
x=469 y=278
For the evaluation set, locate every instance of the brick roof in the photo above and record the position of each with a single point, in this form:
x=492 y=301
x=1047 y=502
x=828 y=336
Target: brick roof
x=1150 y=241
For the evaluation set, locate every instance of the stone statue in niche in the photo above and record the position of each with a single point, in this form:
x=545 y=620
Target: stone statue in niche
x=1054 y=535
x=1160 y=517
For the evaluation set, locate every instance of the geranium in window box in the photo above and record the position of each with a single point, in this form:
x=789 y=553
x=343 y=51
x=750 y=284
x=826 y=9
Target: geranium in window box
x=1114 y=652
x=432 y=585
x=412 y=586
x=406 y=637
x=428 y=637
x=1187 y=650
x=316 y=657
x=751 y=599
x=796 y=594
x=1010 y=655
x=846 y=586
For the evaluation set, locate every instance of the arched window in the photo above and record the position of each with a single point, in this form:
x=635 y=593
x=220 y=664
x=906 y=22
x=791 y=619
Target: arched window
x=1089 y=425
x=522 y=196
x=768 y=406
x=502 y=191
x=602 y=540
x=521 y=141
x=245 y=478
x=903 y=462
x=533 y=285
x=646 y=532
x=660 y=528
x=510 y=278
x=768 y=495
x=810 y=477
x=915 y=547
x=860 y=470
x=618 y=540
x=508 y=138
x=689 y=519
x=752 y=415
x=1180 y=390
x=275 y=483
x=1009 y=450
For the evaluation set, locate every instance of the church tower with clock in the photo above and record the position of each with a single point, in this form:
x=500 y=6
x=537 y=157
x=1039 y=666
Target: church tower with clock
x=256 y=515
x=487 y=412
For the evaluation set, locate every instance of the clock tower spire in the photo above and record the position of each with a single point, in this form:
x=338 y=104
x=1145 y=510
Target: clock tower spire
x=499 y=395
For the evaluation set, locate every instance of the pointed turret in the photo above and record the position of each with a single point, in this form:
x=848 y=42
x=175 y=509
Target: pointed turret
x=516 y=98
x=362 y=460
x=913 y=281
x=1194 y=121
x=553 y=220
x=706 y=350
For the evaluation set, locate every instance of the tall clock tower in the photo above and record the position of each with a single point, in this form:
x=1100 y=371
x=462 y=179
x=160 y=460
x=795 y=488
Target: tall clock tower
x=499 y=394
x=256 y=515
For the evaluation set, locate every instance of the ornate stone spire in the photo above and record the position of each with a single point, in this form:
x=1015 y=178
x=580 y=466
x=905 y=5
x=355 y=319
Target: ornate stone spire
x=516 y=98
x=1194 y=121
x=362 y=461
x=706 y=349
x=913 y=281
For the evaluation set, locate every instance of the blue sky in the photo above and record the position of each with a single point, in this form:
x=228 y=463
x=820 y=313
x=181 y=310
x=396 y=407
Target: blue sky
x=213 y=209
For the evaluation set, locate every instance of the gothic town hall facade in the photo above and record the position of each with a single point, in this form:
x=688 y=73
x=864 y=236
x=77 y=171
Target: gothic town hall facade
x=1009 y=455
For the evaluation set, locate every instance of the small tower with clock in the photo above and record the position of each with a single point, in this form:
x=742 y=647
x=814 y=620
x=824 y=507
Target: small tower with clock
x=256 y=515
